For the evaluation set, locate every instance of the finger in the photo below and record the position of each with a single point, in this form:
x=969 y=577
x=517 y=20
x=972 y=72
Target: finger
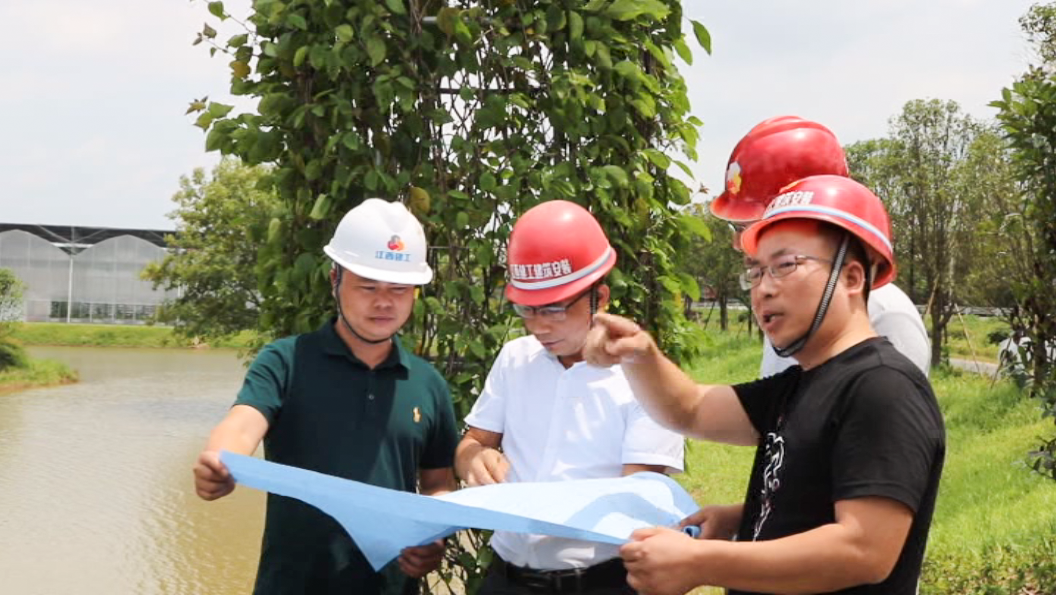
x=211 y=460
x=499 y=468
x=205 y=473
x=616 y=326
x=416 y=562
x=627 y=349
x=210 y=485
x=213 y=492
x=429 y=551
x=697 y=518
x=410 y=569
x=631 y=552
x=646 y=533
x=481 y=476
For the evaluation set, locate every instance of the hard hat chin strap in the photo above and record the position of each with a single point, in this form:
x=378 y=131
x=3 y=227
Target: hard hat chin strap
x=341 y=313
x=823 y=306
x=593 y=303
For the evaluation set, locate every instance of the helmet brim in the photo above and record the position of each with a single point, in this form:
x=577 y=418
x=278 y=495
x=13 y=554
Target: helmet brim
x=419 y=277
x=885 y=272
x=737 y=211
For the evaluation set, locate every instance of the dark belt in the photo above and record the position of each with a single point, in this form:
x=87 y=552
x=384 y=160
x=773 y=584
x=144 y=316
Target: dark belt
x=605 y=575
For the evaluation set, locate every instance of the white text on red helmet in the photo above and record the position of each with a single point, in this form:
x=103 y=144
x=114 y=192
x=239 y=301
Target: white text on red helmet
x=789 y=199
x=546 y=270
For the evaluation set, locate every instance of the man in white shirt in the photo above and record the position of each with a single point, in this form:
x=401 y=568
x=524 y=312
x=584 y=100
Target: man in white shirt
x=773 y=154
x=545 y=415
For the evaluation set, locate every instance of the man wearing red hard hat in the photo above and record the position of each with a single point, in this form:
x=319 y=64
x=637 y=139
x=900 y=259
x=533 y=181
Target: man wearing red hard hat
x=849 y=444
x=775 y=153
x=544 y=415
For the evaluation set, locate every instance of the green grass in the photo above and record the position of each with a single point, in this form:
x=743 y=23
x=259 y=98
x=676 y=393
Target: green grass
x=988 y=497
x=38 y=372
x=111 y=335
x=718 y=473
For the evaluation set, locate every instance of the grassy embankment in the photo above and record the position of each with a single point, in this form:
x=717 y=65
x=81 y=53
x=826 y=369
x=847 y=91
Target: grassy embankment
x=113 y=335
x=37 y=373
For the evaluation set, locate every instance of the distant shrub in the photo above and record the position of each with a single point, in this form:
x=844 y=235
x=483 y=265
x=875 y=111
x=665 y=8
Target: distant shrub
x=12 y=355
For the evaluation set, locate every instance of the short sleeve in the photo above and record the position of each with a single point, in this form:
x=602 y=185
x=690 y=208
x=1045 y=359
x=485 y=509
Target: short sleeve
x=646 y=442
x=267 y=379
x=762 y=399
x=489 y=411
x=889 y=437
x=443 y=435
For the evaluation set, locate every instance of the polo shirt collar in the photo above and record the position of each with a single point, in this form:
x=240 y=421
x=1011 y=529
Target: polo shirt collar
x=333 y=345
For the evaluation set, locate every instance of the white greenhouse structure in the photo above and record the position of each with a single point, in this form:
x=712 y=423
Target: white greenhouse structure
x=84 y=274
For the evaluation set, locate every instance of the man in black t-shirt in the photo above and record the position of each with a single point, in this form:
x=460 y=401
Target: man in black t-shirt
x=850 y=443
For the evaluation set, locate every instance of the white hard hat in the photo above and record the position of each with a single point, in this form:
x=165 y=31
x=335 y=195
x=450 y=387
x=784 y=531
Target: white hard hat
x=382 y=241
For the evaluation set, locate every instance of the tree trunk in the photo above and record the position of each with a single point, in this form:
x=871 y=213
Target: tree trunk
x=938 y=326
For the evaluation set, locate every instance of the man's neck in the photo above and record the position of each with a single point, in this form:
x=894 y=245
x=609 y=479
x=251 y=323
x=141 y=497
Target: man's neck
x=569 y=360
x=371 y=354
x=824 y=346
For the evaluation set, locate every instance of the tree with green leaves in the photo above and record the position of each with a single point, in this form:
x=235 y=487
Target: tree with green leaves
x=470 y=112
x=221 y=220
x=1027 y=113
x=924 y=175
x=996 y=247
x=714 y=264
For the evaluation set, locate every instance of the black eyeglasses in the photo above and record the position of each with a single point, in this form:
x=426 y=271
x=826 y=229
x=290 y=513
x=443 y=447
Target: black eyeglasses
x=552 y=312
x=781 y=267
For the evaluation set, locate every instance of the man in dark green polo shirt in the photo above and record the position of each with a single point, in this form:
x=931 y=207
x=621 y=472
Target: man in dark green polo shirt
x=346 y=400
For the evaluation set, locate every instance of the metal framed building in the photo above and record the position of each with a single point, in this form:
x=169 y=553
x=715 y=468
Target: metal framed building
x=84 y=274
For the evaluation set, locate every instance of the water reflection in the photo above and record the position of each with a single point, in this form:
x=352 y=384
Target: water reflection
x=95 y=485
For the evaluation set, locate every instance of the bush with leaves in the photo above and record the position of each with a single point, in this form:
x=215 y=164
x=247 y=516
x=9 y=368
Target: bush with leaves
x=12 y=355
x=1028 y=115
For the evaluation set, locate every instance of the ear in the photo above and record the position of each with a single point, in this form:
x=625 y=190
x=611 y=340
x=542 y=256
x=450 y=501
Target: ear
x=333 y=281
x=855 y=278
x=603 y=297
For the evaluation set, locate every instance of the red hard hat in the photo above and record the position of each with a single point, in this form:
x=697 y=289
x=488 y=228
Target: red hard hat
x=772 y=155
x=557 y=250
x=839 y=201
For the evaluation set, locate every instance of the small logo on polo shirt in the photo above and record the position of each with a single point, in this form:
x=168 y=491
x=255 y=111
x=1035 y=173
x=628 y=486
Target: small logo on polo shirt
x=417 y=415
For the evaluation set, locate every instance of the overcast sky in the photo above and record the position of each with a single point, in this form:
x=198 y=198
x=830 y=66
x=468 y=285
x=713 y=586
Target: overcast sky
x=92 y=93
